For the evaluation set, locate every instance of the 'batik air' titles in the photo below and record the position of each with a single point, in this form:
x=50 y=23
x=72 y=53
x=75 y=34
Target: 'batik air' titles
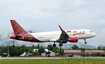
x=76 y=32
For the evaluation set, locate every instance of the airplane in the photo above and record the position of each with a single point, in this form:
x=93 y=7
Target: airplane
x=61 y=37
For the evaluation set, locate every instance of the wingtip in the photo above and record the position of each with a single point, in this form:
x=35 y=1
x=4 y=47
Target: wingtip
x=60 y=28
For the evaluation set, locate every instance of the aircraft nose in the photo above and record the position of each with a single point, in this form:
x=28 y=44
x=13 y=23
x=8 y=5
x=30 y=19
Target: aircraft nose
x=94 y=34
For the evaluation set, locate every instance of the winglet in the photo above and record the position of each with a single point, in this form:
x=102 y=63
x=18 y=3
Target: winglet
x=61 y=28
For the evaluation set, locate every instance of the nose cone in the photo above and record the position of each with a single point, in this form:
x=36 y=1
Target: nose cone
x=13 y=37
x=94 y=34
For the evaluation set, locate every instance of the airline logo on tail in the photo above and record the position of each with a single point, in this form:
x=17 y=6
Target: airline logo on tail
x=20 y=33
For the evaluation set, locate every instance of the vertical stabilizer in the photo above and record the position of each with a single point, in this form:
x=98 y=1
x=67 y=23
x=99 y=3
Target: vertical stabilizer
x=17 y=28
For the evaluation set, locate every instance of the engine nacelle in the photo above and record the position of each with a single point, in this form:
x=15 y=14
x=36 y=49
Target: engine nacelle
x=73 y=39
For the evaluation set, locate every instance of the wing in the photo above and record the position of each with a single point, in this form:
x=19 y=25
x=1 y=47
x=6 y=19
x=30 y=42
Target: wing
x=64 y=36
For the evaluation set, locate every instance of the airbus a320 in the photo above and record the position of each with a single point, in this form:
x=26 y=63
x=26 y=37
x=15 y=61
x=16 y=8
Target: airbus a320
x=61 y=37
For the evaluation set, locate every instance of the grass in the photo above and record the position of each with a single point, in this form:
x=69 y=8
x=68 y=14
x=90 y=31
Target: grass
x=55 y=61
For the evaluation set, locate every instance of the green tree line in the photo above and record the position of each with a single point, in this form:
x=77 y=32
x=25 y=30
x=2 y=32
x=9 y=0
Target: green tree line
x=18 y=50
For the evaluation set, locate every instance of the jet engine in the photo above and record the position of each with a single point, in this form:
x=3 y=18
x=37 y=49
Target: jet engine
x=73 y=39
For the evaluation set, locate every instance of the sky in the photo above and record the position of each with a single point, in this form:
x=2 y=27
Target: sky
x=46 y=15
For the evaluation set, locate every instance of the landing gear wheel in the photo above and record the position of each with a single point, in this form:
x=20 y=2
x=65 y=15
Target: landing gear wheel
x=54 y=45
x=60 y=44
x=85 y=42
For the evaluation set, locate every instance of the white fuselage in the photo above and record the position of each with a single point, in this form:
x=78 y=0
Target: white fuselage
x=54 y=35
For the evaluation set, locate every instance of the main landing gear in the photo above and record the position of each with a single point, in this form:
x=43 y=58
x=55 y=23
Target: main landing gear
x=54 y=45
x=85 y=41
x=60 y=44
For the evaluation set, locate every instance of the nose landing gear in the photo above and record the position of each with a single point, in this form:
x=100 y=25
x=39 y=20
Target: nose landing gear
x=85 y=41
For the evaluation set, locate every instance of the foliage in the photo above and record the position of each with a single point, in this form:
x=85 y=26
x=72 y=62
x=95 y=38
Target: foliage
x=36 y=53
x=99 y=48
x=82 y=50
x=41 y=50
x=75 y=47
x=18 y=50
x=50 y=47
x=97 y=54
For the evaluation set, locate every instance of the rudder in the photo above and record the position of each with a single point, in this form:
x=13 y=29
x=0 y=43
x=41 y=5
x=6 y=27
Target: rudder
x=17 y=28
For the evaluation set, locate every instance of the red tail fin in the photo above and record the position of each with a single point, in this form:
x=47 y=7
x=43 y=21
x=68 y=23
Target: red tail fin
x=17 y=28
